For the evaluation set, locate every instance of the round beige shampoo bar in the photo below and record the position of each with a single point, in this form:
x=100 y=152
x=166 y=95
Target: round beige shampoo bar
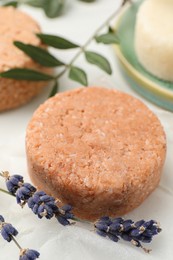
x=154 y=37
x=17 y=26
x=97 y=149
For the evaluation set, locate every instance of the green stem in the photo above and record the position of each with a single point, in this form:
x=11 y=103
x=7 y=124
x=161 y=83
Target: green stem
x=81 y=220
x=6 y=192
x=83 y=48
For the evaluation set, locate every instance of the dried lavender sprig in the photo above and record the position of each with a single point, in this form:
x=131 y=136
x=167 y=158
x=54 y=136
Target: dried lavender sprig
x=44 y=205
x=9 y=233
x=39 y=202
x=128 y=230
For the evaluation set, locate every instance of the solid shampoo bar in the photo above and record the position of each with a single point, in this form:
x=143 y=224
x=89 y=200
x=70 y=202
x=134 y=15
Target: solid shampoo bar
x=154 y=37
x=17 y=26
x=98 y=149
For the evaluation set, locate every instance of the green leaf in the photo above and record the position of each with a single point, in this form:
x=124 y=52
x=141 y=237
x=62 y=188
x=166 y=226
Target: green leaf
x=78 y=75
x=11 y=3
x=53 y=8
x=98 y=60
x=107 y=38
x=56 y=41
x=54 y=90
x=26 y=74
x=39 y=55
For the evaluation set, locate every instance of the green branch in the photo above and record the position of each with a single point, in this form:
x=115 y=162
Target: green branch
x=86 y=44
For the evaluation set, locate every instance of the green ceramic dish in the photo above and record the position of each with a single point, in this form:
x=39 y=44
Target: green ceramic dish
x=155 y=90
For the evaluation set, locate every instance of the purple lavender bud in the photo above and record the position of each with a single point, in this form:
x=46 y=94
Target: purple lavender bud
x=106 y=220
x=101 y=233
x=135 y=233
x=155 y=229
x=126 y=237
x=53 y=205
x=35 y=199
x=5 y=235
x=62 y=220
x=148 y=224
x=113 y=237
x=115 y=226
x=127 y=225
x=1 y=219
x=147 y=233
x=11 y=187
x=51 y=209
x=46 y=198
x=118 y=220
x=139 y=223
x=66 y=208
x=42 y=205
x=35 y=208
x=15 y=179
x=24 y=193
x=31 y=203
x=45 y=211
x=13 y=183
x=40 y=197
x=65 y=212
x=29 y=186
x=41 y=211
x=68 y=215
x=101 y=226
x=29 y=254
x=7 y=231
x=145 y=239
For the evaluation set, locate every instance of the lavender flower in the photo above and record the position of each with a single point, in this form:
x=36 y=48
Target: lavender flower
x=64 y=215
x=29 y=254
x=141 y=231
x=7 y=230
x=24 y=192
x=13 y=183
x=42 y=205
x=1 y=219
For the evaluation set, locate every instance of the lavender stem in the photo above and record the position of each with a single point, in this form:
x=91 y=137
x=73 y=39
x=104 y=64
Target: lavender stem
x=6 y=192
x=17 y=244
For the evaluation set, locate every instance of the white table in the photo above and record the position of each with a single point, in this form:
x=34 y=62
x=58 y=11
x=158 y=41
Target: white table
x=52 y=240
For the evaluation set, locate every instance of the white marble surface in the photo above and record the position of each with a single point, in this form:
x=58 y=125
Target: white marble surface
x=79 y=242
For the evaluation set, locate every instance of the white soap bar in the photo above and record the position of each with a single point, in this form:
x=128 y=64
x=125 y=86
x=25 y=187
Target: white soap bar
x=154 y=37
